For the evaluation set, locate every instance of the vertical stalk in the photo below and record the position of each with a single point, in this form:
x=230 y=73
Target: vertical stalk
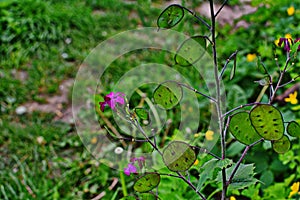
x=123 y=184
x=218 y=93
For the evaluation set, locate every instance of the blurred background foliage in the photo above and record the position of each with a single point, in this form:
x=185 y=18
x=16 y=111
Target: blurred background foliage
x=43 y=43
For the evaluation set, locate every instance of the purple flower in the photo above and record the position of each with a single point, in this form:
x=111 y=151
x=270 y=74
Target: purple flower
x=130 y=169
x=286 y=42
x=112 y=99
x=141 y=161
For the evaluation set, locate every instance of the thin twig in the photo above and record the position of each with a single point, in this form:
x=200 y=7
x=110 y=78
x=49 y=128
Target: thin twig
x=226 y=64
x=226 y=127
x=196 y=91
x=138 y=126
x=280 y=79
x=198 y=18
x=239 y=107
x=203 y=150
x=240 y=160
x=224 y=3
x=191 y=185
x=291 y=81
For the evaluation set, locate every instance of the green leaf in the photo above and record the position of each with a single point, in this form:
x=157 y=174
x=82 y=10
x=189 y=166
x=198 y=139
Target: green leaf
x=142 y=113
x=210 y=170
x=282 y=145
x=168 y=94
x=171 y=16
x=294 y=48
x=293 y=129
x=179 y=156
x=267 y=121
x=128 y=198
x=147 y=182
x=267 y=178
x=244 y=176
x=241 y=128
x=190 y=51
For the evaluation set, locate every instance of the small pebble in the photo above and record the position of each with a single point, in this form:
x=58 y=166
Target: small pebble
x=118 y=150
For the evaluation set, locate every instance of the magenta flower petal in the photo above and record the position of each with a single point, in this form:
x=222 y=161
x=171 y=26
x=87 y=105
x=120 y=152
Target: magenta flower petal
x=112 y=99
x=130 y=169
x=102 y=105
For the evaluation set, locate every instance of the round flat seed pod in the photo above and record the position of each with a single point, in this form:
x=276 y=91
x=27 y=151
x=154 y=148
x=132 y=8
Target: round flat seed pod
x=171 y=16
x=147 y=182
x=293 y=129
x=241 y=128
x=267 y=121
x=179 y=156
x=190 y=51
x=167 y=94
x=282 y=145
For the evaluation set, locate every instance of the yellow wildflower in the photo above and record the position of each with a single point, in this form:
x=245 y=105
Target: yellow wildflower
x=295 y=189
x=292 y=98
x=232 y=198
x=94 y=140
x=251 y=57
x=276 y=42
x=196 y=135
x=196 y=162
x=209 y=135
x=290 y=11
x=288 y=36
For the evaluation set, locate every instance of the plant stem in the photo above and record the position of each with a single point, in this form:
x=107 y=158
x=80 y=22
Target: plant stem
x=191 y=185
x=124 y=189
x=137 y=124
x=280 y=79
x=261 y=94
x=203 y=150
x=239 y=107
x=226 y=64
x=224 y=3
x=197 y=17
x=240 y=161
x=196 y=91
x=218 y=95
